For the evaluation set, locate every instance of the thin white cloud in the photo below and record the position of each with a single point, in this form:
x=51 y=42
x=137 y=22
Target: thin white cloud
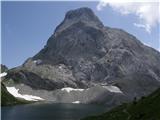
x=146 y=27
x=148 y=12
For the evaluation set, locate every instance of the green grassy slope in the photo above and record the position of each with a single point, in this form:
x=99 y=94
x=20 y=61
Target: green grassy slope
x=147 y=108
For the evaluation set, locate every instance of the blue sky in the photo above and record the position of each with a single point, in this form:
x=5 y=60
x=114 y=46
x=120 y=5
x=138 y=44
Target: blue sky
x=26 y=26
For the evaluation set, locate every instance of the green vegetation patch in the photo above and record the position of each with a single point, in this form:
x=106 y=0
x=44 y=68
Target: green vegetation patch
x=147 y=108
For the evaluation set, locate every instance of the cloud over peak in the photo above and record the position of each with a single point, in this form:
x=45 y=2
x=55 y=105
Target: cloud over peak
x=148 y=12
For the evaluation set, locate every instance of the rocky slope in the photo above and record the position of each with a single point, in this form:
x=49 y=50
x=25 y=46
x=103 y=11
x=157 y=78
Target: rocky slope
x=147 y=108
x=98 y=64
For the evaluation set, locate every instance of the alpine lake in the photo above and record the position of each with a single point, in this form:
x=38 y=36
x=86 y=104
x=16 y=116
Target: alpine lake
x=50 y=111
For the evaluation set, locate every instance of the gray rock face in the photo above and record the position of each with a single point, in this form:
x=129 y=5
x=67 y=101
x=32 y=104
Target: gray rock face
x=83 y=53
x=84 y=15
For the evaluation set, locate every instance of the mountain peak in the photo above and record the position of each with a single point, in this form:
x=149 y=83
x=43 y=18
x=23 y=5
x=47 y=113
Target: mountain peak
x=87 y=12
x=82 y=53
x=84 y=14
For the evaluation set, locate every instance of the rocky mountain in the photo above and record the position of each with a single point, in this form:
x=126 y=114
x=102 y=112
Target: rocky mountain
x=87 y=62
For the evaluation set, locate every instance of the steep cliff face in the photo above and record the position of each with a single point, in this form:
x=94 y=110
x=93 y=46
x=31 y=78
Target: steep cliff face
x=83 y=53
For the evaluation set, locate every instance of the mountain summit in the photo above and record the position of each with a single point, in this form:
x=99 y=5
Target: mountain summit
x=83 y=15
x=87 y=62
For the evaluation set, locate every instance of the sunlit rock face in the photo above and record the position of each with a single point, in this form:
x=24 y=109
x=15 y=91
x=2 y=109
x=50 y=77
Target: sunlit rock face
x=84 y=54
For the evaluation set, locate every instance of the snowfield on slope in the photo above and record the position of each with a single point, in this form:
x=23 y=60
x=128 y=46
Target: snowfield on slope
x=76 y=102
x=14 y=92
x=69 y=89
x=109 y=88
x=113 y=89
x=3 y=74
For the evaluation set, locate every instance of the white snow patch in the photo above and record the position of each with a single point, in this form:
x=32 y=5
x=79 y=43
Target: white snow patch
x=113 y=89
x=76 y=102
x=14 y=92
x=37 y=61
x=68 y=89
x=3 y=74
x=60 y=67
